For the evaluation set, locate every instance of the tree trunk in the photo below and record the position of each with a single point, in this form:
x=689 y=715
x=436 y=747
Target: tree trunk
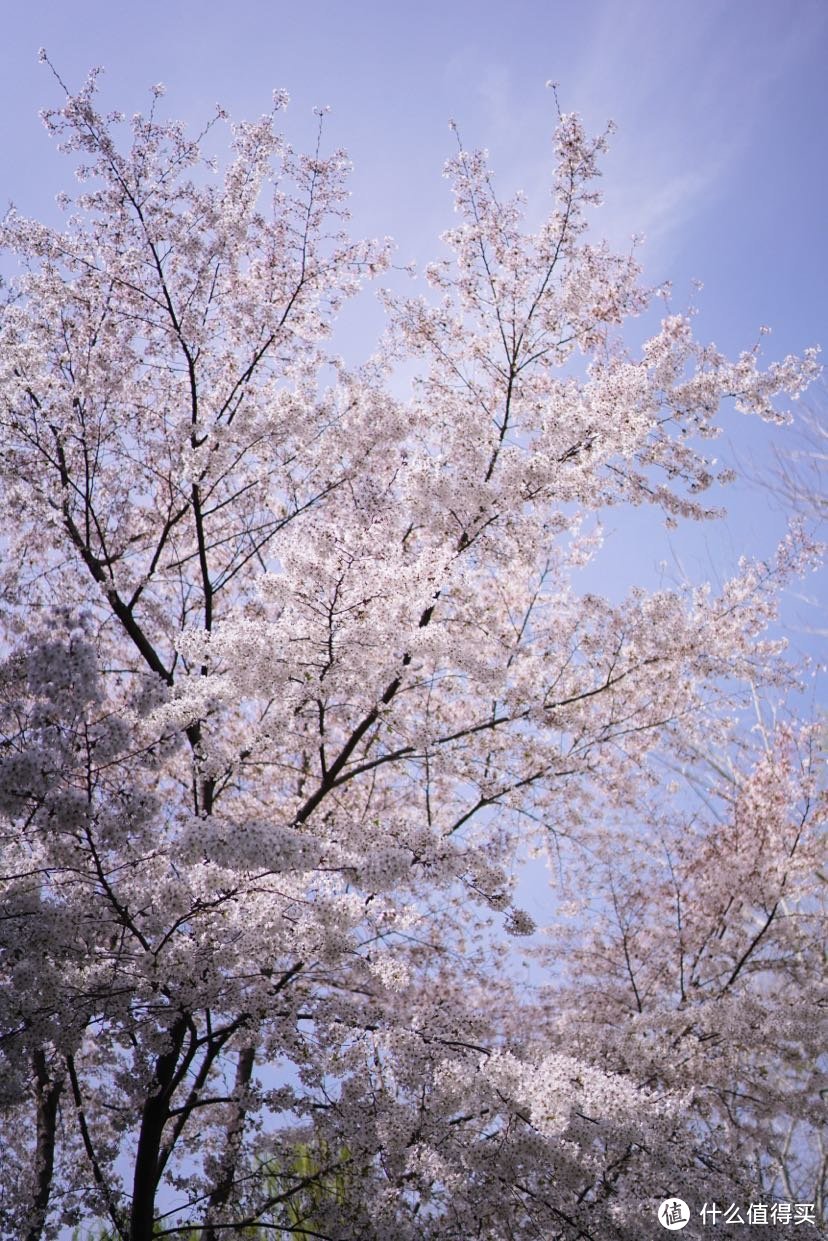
x=153 y=1118
x=48 y=1096
x=223 y=1187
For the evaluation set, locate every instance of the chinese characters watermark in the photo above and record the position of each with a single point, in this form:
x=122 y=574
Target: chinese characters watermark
x=674 y=1213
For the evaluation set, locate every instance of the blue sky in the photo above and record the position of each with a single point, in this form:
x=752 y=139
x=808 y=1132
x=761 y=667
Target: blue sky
x=720 y=155
x=719 y=158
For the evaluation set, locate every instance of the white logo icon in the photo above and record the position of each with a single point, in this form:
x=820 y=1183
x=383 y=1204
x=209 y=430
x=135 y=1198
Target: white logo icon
x=673 y=1214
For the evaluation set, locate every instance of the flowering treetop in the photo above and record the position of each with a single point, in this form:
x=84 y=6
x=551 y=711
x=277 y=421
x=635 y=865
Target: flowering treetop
x=296 y=667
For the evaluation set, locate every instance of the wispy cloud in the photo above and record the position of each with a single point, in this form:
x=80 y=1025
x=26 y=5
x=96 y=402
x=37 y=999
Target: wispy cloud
x=693 y=87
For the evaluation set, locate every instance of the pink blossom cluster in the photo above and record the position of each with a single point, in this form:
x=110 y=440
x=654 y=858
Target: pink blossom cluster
x=311 y=673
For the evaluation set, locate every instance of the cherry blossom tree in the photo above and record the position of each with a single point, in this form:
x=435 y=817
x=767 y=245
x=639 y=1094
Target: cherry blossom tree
x=295 y=669
x=700 y=966
x=797 y=476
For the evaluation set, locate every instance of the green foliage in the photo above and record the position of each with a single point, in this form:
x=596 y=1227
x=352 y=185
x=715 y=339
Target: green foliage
x=323 y=1176
x=319 y=1177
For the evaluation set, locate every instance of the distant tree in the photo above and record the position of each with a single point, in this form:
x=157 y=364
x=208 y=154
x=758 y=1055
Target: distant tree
x=293 y=669
x=795 y=478
x=699 y=966
x=798 y=475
